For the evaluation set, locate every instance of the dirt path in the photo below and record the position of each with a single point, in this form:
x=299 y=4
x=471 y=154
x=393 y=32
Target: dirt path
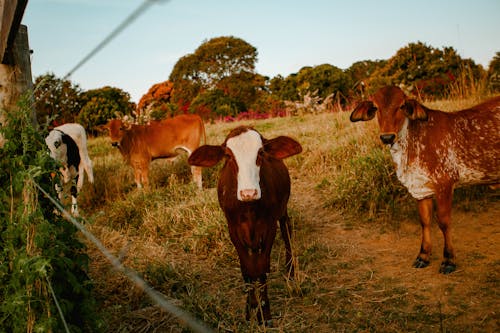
x=366 y=273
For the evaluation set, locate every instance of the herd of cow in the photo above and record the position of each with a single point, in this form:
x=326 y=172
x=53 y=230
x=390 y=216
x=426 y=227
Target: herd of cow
x=434 y=152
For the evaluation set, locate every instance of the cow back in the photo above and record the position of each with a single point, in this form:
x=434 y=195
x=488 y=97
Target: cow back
x=462 y=146
x=161 y=139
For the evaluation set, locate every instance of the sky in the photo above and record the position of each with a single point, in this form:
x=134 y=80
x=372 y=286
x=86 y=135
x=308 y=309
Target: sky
x=288 y=34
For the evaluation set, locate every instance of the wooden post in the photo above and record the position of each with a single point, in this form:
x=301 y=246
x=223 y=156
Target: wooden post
x=15 y=77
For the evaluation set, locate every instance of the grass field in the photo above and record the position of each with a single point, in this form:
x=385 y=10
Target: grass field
x=356 y=233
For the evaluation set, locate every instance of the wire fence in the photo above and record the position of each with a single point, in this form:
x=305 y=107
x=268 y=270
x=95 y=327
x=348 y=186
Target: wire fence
x=185 y=318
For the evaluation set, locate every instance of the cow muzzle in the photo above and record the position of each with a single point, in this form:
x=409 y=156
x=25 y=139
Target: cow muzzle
x=388 y=138
x=249 y=195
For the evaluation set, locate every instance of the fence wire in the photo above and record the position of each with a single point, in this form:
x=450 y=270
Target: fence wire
x=185 y=318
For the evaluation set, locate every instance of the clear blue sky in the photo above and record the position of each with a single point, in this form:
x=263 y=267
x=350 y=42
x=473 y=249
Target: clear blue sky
x=288 y=34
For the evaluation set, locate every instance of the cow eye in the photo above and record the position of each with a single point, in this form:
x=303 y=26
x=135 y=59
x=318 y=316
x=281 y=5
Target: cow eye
x=57 y=143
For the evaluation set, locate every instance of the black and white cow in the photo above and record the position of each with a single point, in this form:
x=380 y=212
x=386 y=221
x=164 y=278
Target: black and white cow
x=68 y=145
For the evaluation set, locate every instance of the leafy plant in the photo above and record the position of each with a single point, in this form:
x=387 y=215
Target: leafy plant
x=41 y=258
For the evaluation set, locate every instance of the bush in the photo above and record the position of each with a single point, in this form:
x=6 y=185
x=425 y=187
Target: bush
x=41 y=257
x=369 y=186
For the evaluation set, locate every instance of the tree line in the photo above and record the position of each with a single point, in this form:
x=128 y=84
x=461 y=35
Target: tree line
x=219 y=80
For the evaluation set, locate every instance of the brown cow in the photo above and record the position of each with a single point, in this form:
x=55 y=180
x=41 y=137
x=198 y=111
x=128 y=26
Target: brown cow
x=253 y=191
x=140 y=144
x=435 y=152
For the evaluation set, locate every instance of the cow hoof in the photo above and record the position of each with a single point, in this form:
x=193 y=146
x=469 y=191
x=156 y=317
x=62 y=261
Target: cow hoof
x=447 y=268
x=420 y=263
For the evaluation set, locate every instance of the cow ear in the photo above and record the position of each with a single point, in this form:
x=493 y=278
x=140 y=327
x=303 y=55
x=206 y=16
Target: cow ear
x=282 y=147
x=363 y=112
x=206 y=156
x=101 y=128
x=414 y=110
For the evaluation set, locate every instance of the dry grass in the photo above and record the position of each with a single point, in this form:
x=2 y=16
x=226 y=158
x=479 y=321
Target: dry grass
x=352 y=276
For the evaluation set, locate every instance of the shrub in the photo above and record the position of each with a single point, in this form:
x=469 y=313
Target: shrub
x=41 y=258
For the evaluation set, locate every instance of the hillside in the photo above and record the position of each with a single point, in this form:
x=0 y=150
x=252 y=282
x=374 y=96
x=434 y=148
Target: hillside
x=356 y=236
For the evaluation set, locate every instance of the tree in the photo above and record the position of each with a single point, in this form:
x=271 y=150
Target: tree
x=156 y=103
x=320 y=81
x=102 y=104
x=217 y=64
x=494 y=73
x=423 y=69
x=360 y=72
x=56 y=100
x=284 y=88
x=324 y=80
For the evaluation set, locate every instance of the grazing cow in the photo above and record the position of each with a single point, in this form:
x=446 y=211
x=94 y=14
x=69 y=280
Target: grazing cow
x=434 y=152
x=253 y=191
x=140 y=144
x=68 y=145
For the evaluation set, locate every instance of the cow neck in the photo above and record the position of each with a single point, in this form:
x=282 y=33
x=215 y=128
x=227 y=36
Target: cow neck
x=399 y=150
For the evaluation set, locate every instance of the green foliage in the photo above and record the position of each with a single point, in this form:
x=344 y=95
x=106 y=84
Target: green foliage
x=324 y=79
x=39 y=250
x=102 y=104
x=494 y=73
x=360 y=72
x=56 y=99
x=423 y=68
x=222 y=64
x=320 y=81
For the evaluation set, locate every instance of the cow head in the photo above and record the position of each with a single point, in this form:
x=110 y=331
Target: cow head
x=393 y=109
x=115 y=128
x=58 y=150
x=244 y=150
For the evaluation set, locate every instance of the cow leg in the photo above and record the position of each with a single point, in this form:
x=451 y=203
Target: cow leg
x=74 y=195
x=253 y=268
x=444 y=200
x=286 y=234
x=258 y=300
x=425 y=212
x=196 y=171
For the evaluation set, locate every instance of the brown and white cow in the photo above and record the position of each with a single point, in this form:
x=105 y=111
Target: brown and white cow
x=253 y=192
x=435 y=152
x=140 y=144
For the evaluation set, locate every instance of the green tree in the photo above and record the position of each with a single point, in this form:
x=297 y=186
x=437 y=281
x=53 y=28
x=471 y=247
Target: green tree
x=320 y=81
x=360 y=72
x=494 y=73
x=324 y=80
x=218 y=65
x=56 y=100
x=427 y=70
x=284 y=88
x=102 y=104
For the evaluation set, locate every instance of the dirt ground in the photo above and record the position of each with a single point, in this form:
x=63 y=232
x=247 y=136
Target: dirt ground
x=370 y=284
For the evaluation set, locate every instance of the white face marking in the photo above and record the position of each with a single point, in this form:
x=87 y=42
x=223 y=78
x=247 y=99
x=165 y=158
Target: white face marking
x=245 y=148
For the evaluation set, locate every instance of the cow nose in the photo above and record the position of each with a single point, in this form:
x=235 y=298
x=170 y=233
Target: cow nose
x=388 y=139
x=248 y=195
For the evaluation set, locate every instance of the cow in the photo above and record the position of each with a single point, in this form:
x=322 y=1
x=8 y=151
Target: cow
x=68 y=145
x=434 y=152
x=253 y=192
x=140 y=144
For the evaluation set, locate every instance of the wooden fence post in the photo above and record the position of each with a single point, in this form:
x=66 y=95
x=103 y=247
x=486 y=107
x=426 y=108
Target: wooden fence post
x=15 y=77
